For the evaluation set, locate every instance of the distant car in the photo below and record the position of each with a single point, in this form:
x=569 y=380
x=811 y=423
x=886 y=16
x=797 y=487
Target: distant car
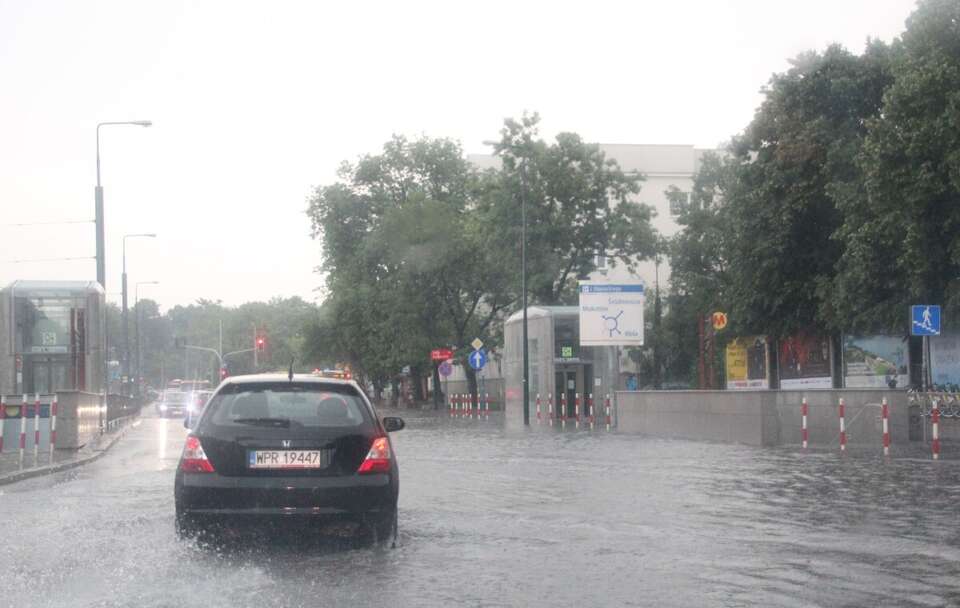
x=281 y=448
x=198 y=400
x=173 y=403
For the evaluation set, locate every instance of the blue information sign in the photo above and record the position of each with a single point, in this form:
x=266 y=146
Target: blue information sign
x=925 y=320
x=478 y=359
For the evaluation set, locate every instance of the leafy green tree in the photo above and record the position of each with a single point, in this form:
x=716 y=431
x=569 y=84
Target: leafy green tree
x=403 y=230
x=902 y=228
x=781 y=205
x=579 y=204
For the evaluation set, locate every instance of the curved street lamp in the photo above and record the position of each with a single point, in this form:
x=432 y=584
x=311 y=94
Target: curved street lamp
x=101 y=255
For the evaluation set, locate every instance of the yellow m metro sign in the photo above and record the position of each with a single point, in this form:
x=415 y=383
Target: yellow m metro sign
x=719 y=320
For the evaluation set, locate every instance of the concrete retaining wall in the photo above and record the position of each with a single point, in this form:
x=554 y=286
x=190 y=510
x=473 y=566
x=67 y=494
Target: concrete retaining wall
x=78 y=418
x=762 y=417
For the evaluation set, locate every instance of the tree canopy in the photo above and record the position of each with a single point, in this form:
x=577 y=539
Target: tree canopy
x=838 y=205
x=421 y=248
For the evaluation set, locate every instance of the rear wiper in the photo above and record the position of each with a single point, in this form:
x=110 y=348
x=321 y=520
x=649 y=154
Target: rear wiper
x=278 y=422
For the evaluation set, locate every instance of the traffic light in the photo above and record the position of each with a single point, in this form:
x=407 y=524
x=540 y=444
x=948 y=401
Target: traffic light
x=224 y=373
x=261 y=344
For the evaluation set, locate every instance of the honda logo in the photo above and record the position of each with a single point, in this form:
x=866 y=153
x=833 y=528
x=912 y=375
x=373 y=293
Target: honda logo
x=286 y=443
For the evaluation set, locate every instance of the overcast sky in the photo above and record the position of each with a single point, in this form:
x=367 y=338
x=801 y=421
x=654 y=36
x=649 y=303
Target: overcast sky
x=255 y=103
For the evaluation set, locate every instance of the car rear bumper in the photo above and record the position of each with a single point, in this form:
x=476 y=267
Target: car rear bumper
x=354 y=496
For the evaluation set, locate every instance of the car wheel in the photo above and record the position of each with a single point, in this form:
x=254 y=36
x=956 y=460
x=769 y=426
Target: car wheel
x=382 y=530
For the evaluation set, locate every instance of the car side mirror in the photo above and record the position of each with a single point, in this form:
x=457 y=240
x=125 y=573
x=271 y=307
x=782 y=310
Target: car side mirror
x=393 y=423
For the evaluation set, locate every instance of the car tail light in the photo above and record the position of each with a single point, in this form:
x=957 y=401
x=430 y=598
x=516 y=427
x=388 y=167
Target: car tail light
x=378 y=458
x=194 y=459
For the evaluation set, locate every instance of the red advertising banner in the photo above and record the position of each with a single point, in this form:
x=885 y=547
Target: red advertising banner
x=805 y=362
x=441 y=354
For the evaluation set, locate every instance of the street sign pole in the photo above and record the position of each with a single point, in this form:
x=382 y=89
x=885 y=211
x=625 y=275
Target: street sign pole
x=523 y=290
x=925 y=321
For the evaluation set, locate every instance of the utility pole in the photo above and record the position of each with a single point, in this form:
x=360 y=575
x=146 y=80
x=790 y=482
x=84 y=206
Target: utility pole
x=523 y=290
x=256 y=360
x=657 y=384
x=701 y=370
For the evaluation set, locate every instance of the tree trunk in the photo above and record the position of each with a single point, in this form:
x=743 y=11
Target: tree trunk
x=416 y=378
x=438 y=396
x=395 y=393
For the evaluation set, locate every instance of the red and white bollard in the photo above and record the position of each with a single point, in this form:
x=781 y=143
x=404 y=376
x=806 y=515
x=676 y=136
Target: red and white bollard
x=803 y=423
x=453 y=400
x=3 y=416
x=563 y=411
x=935 y=430
x=606 y=405
x=550 y=408
x=23 y=426
x=538 y=408
x=486 y=406
x=576 y=409
x=843 y=429
x=885 y=413
x=36 y=424
x=53 y=426
x=590 y=409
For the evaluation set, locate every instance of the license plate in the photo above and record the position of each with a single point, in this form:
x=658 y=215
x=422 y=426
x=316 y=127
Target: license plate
x=288 y=459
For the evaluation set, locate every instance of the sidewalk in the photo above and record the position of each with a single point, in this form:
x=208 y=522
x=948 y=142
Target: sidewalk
x=35 y=464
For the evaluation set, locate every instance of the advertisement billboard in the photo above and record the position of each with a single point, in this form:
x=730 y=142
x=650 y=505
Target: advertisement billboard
x=747 y=363
x=805 y=362
x=945 y=359
x=875 y=361
x=611 y=315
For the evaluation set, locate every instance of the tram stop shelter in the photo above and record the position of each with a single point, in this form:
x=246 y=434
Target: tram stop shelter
x=53 y=335
x=559 y=365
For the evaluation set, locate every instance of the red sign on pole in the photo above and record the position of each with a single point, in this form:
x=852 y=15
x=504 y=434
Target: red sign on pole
x=441 y=354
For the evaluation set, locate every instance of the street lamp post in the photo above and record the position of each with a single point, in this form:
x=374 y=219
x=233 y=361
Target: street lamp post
x=98 y=197
x=136 y=307
x=101 y=258
x=523 y=290
x=523 y=283
x=126 y=322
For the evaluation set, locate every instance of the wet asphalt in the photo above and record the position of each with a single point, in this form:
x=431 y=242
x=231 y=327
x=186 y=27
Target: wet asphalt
x=496 y=518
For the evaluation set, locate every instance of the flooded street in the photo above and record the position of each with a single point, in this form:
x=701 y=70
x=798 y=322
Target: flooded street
x=490 y=518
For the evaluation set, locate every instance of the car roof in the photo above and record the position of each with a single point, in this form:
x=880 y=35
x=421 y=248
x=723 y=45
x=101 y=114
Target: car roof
x=279 y=377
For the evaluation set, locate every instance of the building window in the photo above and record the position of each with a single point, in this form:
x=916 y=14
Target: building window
x=679 y=202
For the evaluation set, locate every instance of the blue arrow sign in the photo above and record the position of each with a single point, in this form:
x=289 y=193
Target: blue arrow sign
x=925 y=320
x=478 y=359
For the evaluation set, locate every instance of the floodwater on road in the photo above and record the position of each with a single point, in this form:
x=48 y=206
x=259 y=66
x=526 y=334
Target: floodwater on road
x=495 y=518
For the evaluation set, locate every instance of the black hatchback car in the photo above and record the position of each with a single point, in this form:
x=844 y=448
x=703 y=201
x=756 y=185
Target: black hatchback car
x=270 y=447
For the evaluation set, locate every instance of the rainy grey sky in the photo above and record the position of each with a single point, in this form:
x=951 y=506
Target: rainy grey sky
x=255 y=103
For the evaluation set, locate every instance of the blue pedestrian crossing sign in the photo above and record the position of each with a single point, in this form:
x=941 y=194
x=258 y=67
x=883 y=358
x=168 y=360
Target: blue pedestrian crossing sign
x=925 y=320
x=478 y=359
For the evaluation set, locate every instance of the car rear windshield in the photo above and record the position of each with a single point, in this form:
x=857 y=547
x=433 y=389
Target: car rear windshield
x=309 y=404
